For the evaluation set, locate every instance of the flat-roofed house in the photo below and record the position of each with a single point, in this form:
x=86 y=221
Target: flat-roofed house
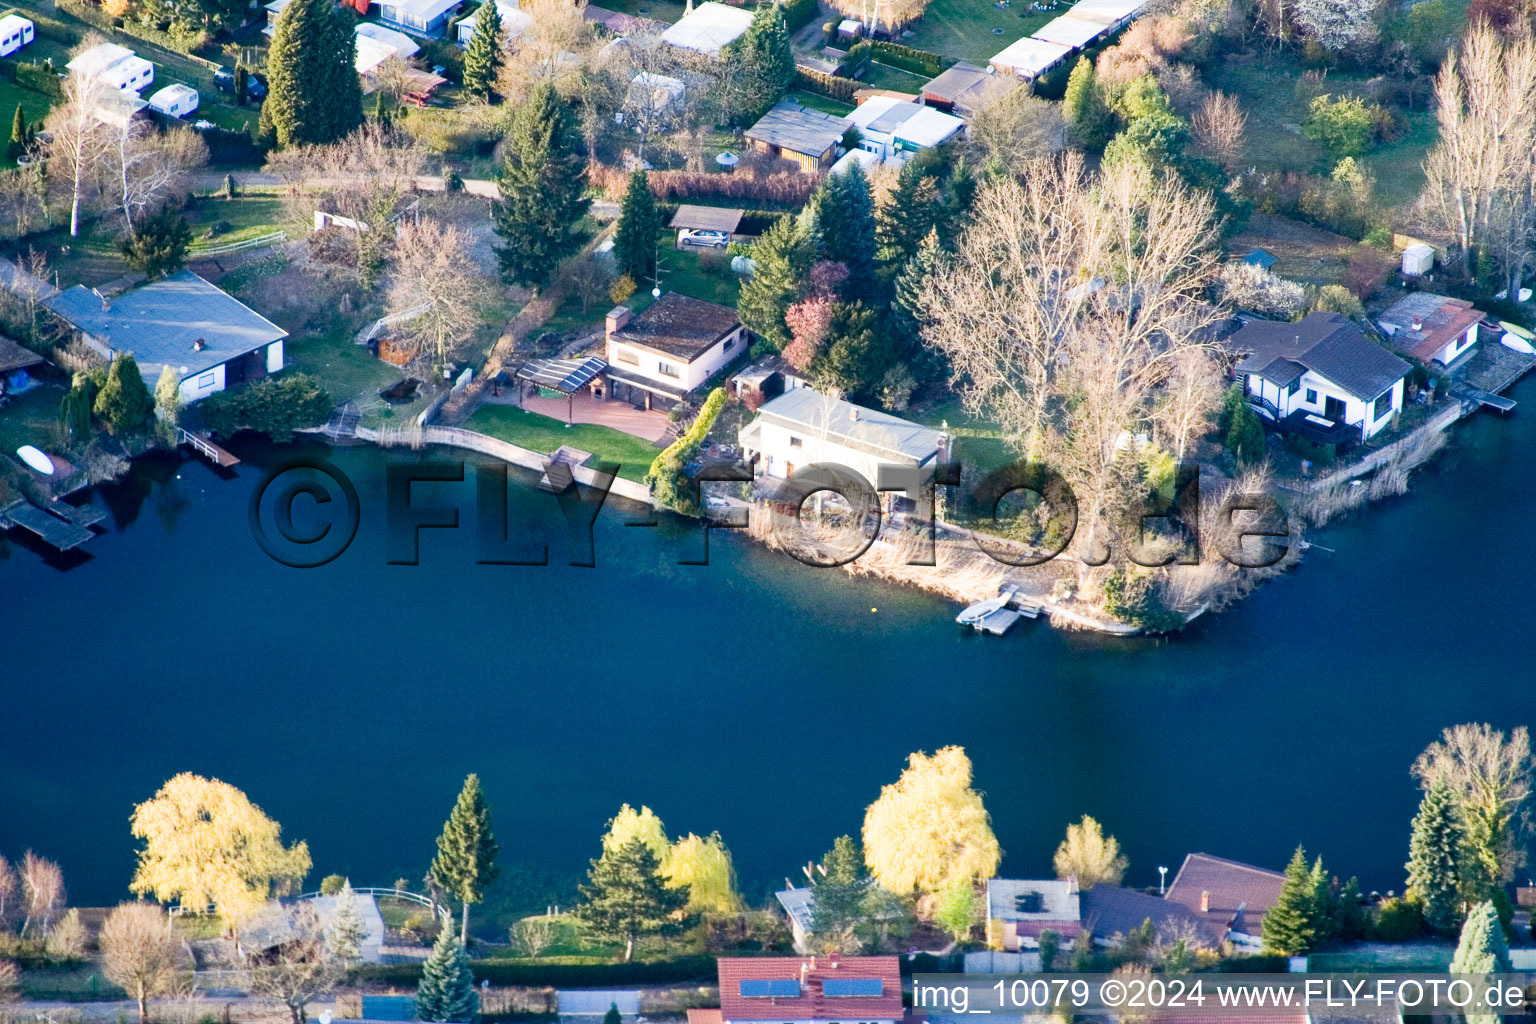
x=1073 y=33
x=1018 y=910
x=808 y=137
x=377 y=44
x=1231 y=896
x=806 y=990
x=1431 y=328
x=804 y=426
x=956 y=89
x=208 y=338
x=1112 y=13
x=708 y=28
x=427 y=18
x=514 y=22
x=1319 y=377
x=656 y=359
x=895 y=129
x=1029 y=58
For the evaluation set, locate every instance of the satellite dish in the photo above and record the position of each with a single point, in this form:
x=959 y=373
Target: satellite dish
x=656 y=292
x=36 y=459
x=325 y=1017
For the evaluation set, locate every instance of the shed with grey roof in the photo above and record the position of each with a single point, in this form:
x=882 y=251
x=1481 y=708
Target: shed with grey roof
x=210 y=339
x=793 y=132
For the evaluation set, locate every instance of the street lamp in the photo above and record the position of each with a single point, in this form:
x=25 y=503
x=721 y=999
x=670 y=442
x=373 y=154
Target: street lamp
x=1162 y=878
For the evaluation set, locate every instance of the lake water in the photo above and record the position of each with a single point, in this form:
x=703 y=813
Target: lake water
x=755 y=696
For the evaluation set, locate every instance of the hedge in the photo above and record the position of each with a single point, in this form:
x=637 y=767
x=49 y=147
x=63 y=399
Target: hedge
x=799 y=13
x=693 y=436
x=841 y=89
x=910 y=58
x=503 y=974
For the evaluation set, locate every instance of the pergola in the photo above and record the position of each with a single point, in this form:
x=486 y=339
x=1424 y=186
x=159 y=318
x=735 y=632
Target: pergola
x=566 y=376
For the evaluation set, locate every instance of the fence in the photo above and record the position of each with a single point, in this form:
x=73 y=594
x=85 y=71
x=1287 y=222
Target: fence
x=260 y=241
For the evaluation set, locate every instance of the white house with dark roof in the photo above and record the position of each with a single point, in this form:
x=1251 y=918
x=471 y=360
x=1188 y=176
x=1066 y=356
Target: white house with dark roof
x=804 y=426
x=210 y=339
x=1319 y=377
x=658 y=357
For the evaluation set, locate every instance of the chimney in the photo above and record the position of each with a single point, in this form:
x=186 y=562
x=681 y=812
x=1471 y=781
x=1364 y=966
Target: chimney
x=1071 y=882
x=106 y=303
x=618 y=318
x=805 y=970
x=1418 y=323
x=199 y=345
x=832 y=961
x=1205 y=902
x=853 y=412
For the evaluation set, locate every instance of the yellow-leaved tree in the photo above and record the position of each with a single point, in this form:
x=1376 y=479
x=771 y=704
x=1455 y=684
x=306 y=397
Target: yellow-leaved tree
x=630 y=824
x=929 y=830
x=1089 y=855
x=207 y=846
x=704 y=865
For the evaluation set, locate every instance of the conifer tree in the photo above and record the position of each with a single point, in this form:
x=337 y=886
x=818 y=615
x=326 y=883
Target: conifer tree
x=76 y=408
x=345 y=932
x=780 y=260
x=483 y=56
x=1437 y=854
x=613 y=1016
x=634 y=241
x=313 y=91
x=625 y=897
x=541 y=180
x=466 y=851
x=905 y=316
x=124 y=402
x=18 y=143
x=1482 y=950
x=1090 y=122
x=857 y=353
x=1290 y=926
x=447 y=989
x=765 y=55
x=906 y=217
x=845 y=229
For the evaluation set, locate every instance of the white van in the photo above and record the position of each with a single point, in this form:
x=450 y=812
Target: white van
x=15 y=32
x=174 y=100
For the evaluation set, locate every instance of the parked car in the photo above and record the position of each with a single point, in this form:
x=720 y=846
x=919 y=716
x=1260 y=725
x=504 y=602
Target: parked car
x=707 y=239
x=224 y=80
x=255 y=86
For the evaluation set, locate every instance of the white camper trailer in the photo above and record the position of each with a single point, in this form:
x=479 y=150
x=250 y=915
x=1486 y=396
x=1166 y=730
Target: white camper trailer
x=15 y=32
x=174 y=100
x=115 y=65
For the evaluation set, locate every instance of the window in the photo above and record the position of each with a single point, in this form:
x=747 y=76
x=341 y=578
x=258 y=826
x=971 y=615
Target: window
x=206 y=380
x=728 y=343
x=795 y=442
x=1383 y=404
x=627 y=357
x=667 y=370
x=1311 y=396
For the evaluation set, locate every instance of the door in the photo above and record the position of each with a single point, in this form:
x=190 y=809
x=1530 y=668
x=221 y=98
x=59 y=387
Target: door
x=1333 y=408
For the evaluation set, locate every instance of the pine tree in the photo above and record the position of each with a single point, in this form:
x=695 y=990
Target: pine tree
x=959 y=196
x=482 y=58
x=780 y=260
x=314 y=95
x=613 y=1016
x=1325 y=905
x=1437 y=854
x=1290 y=926
x=767 y=59
x=541 y=180
x=1090 y=122
x=857 y=353
x=845 y=229
x=904 y=318
x=625 y=897
x=345 y=932
x=447 y=989
x=906 y=217
x=466 y=851
x=1244 y=437
x=124 y=402
x=19 y=137
x=634 y=241
x=75 y=410
x=1482 y=950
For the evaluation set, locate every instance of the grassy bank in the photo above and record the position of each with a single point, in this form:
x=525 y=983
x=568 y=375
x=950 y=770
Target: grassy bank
x=542 y=434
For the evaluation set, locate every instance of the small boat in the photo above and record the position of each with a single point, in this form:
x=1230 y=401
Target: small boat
x=994 y=614
x=973 y=614
x=1517 y=338
x=36 y=459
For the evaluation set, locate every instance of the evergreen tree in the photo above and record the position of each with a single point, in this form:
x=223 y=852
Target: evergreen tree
x=845 y=229
x=1325 y=905
x=634 y=241
x=959 y=196
x=766 y=59
x=613 y=1016
x=907 y=216
x=1242 y=430
x=124 y=402
x=904 y=317
x=1437 y=856
x=19 y=137
x=345 y=932
x=857 y=353
x=313 y=91
x=466 y=851
x=780 y=260
x=159 y=246
x=1090 y=122
x=1482 y=950
x=75 y=410
x=242 y=84
x=1290 y=926
x=541 y=180
x=447 y=989
x=625 y=897
x=483 y=56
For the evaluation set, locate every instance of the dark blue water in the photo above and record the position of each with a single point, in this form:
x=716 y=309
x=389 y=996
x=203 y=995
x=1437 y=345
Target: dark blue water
x=755 y=696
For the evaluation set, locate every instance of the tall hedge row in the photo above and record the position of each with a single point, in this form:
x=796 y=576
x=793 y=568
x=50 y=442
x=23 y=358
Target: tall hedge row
x=504 y=973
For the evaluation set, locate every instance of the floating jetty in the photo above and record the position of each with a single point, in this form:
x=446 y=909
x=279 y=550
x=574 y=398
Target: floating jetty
x=997 y=615
x=204 y=446
x=61 y=525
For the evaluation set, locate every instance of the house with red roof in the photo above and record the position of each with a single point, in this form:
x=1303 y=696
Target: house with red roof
x=806 y=990
x=1431 y=328
x=1230 y=896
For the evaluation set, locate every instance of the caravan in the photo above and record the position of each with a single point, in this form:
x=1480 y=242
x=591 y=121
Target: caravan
x=115 y=65
x=15 y=32
x=174 y=100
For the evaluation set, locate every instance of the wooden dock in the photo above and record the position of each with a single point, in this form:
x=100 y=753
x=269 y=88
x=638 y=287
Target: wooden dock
x=205 y=447
x=63 y=533
x=1011 y=606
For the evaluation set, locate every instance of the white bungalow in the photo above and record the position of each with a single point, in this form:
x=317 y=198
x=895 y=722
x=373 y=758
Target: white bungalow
x=514 y=22
x=1029 y=57
x=710 y=28
x=804 y=426
x=1319 y=378
x=1431 y=328
x=893 y=129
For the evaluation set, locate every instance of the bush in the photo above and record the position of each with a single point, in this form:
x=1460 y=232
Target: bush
x=330 y=885
x=910 y=58
x=274 y=407
x=39 y=78
x=666 y=471
x=503 y=974
x=1343 y=126
x=798 y=13
x=789 y=189
x=840 y=89
x=1397 y=920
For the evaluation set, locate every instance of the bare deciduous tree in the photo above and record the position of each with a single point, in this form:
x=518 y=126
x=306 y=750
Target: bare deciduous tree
x=299 y=970
x=554 y=48
x=141 y=952
x=589 y=277
x=1219 y=126
x=1343 y=26
x=79 y=138
x=10 y=893
x=1013 y=125
x=434 y=287
x=531 y=936
x=1491 y=777
x=42 y=887
x=151 y=166
x=1191 y=393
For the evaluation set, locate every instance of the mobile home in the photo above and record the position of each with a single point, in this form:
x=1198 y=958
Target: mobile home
x=174 y=100
x=115 y=65
x=15 y=32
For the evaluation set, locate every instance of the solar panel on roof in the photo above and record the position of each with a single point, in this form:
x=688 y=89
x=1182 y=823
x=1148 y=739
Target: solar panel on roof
x=853 y=987
x=768 y=988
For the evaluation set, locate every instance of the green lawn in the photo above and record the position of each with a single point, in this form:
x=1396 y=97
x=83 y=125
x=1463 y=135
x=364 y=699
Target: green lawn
x=967 y=29
x=350 y=373
x=883 y=76
x=816 y=101
x=683 y=271
x=32 y=419
x=543 y=434
x=248 y=216
x=34 y=106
